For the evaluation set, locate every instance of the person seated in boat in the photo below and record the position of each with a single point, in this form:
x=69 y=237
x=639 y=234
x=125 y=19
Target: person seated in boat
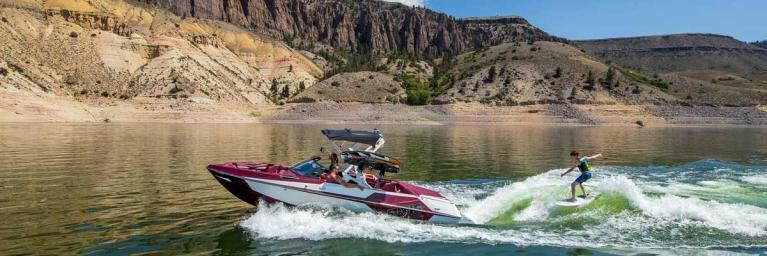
x=335 y=176
x=366 y=173
x=333 y=159
x=360 y=175
x=333 y=162
x=584 y=166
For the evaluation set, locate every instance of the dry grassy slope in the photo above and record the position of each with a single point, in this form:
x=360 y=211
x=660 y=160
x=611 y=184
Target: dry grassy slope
x=109 y=50
x=525 y=75
x=710 y=69
x=369 y=87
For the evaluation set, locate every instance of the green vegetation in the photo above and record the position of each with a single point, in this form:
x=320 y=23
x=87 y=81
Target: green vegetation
x=335 y=84
x=573 y=93
x=442 y=79
x=273 y=89
x=392 y=99
x=417 y=92
x=558 y=72
x=301 y=86
x=490 y=75
x=73 y=34
x=3 y=71
x=657 y=82
x=255 y=114
x=286 y=91
x=609 y=78
x=589 y=81
x=361 y=59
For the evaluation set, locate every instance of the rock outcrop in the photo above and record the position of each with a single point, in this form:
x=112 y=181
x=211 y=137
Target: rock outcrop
x=361 y=24
x=490 y=31
x=94 y=20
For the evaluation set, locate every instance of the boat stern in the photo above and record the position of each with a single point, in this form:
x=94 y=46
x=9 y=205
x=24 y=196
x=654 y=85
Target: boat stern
x=446 y=211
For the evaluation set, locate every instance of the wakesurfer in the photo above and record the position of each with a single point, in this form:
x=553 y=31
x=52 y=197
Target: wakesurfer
x=583 y=165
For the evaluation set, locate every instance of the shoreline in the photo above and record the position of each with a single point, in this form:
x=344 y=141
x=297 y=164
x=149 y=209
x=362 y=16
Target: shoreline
x=566 y=115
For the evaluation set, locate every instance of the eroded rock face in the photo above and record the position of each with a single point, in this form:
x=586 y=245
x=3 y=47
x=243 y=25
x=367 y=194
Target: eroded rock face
x=98 y=21
x=361 y=24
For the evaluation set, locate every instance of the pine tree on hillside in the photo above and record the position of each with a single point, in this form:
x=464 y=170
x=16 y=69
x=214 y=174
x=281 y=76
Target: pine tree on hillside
x=274 y=87
x=286 y=91
x=610 y=78
x=589 y=81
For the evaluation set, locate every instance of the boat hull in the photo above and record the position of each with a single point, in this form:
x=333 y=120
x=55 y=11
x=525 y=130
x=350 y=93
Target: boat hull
x=293 y=192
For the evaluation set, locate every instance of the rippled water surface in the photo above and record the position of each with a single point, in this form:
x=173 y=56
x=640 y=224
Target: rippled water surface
x=117 y=189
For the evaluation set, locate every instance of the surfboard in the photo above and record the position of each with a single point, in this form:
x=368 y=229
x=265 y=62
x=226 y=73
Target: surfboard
x=579 y=201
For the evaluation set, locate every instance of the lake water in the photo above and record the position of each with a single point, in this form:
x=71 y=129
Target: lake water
x=117 y=189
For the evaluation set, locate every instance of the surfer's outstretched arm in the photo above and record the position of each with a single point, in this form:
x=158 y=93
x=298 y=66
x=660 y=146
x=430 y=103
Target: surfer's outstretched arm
x=594 y=156
x=569 y=170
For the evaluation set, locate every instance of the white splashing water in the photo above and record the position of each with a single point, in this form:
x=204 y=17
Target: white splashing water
x=759 y=179
x=625 y=229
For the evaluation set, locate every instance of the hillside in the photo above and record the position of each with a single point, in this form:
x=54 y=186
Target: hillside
x=220 y=60
x=104 y=53
x=705 y=69
x=541 y=73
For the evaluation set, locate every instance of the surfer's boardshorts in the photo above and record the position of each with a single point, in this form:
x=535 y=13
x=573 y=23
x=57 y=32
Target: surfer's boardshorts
x=583 y=178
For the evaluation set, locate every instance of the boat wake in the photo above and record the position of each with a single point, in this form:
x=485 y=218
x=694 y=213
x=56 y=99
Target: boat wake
x=698 y=205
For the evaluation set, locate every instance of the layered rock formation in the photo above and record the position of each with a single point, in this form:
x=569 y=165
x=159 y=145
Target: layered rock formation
x=103 y=51
x=366 y=24
x=490 y=31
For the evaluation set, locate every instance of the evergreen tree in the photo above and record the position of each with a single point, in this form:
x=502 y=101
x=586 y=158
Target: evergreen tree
x=573 y=93
x=286 y=91
x=301 y=86
x=491 y=75
x=610 y=78
x=589 y=81
x=274 y=87
x=558 y=72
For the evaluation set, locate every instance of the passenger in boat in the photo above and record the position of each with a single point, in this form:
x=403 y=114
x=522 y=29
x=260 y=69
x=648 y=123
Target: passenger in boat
x=335 y=176
x=365 y=169
x=333 y=159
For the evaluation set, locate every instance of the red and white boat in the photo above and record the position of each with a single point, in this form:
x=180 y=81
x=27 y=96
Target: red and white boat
x=301 y=183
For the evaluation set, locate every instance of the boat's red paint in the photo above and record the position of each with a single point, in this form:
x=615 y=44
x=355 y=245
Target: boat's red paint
x=390 y=203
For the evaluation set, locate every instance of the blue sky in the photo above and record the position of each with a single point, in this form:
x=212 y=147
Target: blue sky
x=591 y=19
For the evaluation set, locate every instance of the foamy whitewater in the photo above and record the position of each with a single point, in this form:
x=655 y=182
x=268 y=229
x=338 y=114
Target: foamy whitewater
x=699 y=205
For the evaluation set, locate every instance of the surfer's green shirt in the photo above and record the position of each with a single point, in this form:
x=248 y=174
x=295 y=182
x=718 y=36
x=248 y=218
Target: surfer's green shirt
x=584 y=165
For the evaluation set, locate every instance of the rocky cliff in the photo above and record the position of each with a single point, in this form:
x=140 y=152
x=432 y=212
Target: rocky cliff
x=366 y=24
x=106 y=53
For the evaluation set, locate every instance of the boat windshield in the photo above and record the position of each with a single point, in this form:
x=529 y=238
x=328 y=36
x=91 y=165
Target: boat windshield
x=309 y=168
